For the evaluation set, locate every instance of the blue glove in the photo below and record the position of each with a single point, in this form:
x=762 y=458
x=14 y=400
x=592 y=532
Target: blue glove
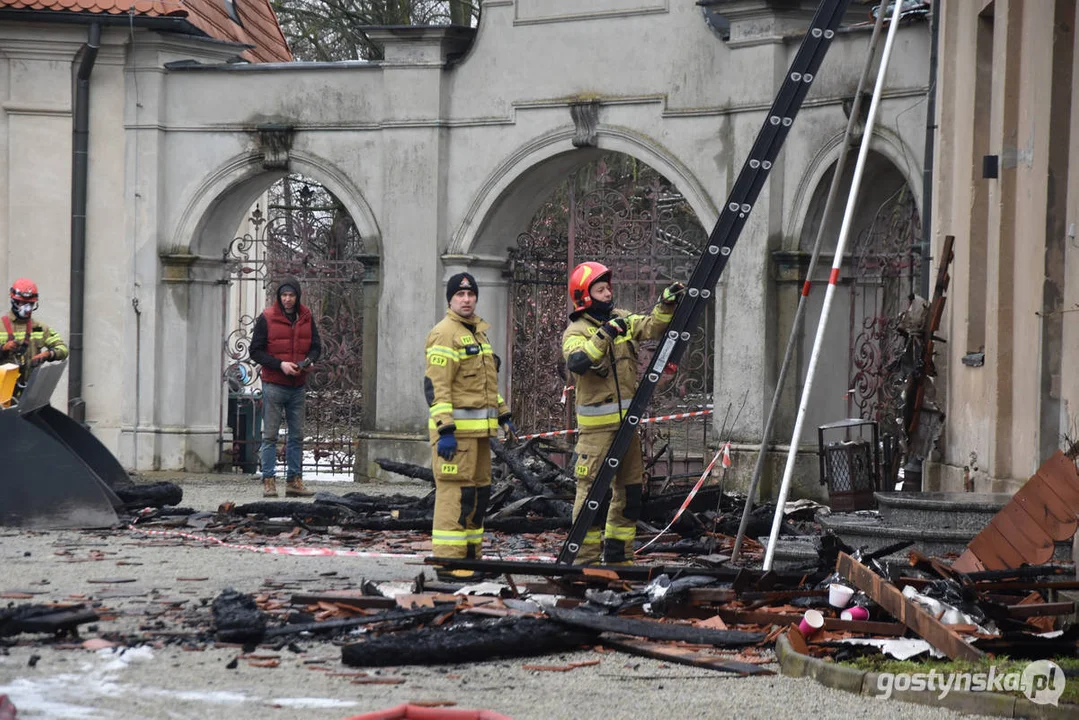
x=510 y=428
x=447 y=446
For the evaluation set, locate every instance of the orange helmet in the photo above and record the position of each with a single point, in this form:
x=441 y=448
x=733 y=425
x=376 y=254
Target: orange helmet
x=581 y=280
x=23 y=297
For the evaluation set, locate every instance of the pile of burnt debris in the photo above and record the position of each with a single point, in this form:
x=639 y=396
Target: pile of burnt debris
x=722 y=618
x=1001 y=597
x=531 y=494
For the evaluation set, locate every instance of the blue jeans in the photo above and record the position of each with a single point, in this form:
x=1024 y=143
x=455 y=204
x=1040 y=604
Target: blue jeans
x=278 y=400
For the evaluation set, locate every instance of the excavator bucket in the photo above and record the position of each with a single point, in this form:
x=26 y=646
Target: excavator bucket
x=56 y=474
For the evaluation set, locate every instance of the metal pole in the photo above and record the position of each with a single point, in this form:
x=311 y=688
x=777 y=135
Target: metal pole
x=799 y=315
x=837 y=262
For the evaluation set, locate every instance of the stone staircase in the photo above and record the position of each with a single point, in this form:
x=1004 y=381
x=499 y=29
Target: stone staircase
x=937 y=522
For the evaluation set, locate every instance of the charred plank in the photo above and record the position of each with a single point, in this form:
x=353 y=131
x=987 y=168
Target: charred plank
x=466 y=642
x=43 y=619
x=653 y=630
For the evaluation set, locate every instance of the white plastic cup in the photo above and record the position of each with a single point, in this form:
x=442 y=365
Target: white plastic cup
x=839 y=595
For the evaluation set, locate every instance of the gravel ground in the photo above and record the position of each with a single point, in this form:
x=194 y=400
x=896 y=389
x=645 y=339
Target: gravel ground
x=171 y=682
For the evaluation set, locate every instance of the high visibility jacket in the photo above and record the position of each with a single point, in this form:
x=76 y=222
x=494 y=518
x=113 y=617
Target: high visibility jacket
x=598 y=389
x=39 y=337
x=461 y=379
x=287 y=341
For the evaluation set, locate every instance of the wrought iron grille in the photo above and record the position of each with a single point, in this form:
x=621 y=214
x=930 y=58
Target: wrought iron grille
x=631 y=219
x=307 y=234
x=884 y=277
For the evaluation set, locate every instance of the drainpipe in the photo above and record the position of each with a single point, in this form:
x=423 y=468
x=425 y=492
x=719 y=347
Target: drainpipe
x=930 y=142
x=76 y=406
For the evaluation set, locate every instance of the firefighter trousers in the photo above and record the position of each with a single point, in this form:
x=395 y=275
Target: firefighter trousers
x=462 y=491
x=615 y=526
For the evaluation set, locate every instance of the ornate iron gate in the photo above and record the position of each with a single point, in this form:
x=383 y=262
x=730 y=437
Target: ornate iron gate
x=306 y=233
x=631 y=219
x=885 y=275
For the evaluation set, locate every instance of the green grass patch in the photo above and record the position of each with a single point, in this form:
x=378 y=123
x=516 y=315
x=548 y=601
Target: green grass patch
x=1004 y=665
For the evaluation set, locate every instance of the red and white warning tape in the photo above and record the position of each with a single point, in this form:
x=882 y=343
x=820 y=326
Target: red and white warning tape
x=723 y=452
x=659 y=418
x=315 y=551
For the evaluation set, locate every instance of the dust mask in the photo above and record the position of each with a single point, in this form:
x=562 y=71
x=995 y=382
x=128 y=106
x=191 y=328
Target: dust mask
x=24 y=310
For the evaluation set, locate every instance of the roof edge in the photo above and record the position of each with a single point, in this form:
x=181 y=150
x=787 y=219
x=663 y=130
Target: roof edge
x=67 y=17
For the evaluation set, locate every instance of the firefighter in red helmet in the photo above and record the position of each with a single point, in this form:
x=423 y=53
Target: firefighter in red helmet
x=25 y=340
x=600 y=348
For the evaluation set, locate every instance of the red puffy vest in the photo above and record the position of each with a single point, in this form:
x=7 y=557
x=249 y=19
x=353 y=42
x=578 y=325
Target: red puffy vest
x=288 y=342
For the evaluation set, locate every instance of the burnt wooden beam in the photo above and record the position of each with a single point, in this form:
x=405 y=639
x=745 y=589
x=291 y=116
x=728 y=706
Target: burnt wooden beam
x=762 y=617
x=390 y=616
x=889 y=597
x=681 y=655
x=623 y=572
x=1041 y=609
x=466 y=642
x=652 y=629
x=44 y=619
x=407 y=469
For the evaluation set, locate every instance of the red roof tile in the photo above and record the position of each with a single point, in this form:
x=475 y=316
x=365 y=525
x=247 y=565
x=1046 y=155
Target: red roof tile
x=258 y=26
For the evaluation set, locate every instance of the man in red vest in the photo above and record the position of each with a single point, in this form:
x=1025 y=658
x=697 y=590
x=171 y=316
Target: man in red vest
x=286 y=344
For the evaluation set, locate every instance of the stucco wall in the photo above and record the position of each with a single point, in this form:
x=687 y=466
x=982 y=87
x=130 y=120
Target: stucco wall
x=440 y=164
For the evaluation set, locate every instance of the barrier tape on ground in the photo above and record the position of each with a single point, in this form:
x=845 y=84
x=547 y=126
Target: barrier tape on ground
x=689 y=498
x=660 y=418
x=316 y=551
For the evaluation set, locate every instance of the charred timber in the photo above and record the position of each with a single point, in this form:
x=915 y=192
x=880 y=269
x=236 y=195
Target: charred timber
x=396 y=618
x=745 y=577
x=407 y=469
x=43 y=619
x=466 y=642
x=652 y=629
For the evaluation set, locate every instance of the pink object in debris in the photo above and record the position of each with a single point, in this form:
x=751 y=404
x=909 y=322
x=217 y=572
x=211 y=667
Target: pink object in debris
x=7 y=708
x=855 y=613
x=418 y=712
x=812 y=621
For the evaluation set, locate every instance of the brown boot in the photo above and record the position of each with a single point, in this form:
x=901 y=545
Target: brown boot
x=269 y=487
x=294 y=487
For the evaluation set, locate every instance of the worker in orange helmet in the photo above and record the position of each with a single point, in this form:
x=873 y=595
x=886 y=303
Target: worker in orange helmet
x=25 y=340
x=600 y=348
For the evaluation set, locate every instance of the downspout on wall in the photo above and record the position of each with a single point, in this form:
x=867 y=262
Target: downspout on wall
x=927 y=165
x=80 y=146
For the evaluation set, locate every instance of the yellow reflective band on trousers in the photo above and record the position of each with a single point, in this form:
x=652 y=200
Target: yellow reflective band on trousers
x=449 y=537
x=618 y=532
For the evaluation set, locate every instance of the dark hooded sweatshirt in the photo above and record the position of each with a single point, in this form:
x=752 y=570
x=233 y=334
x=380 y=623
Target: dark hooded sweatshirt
x=280 y=336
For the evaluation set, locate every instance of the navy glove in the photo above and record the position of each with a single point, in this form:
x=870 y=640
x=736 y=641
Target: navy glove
x=615 y=327
x=447 y=446
x=506 y=421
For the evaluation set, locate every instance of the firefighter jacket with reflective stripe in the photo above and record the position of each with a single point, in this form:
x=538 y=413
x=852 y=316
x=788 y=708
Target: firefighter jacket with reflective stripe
x=40 y=336
x=461 y=379
x=605 y=371
x=288 y=342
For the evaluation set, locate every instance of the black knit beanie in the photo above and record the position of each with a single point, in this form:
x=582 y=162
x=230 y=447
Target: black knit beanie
x=461 y=281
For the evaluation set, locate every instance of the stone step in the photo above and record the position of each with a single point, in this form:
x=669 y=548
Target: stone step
x=865 y=530
x=967 y=511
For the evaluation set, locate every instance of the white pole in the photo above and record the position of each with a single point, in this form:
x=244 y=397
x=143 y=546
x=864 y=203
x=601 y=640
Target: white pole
x=837 y=263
